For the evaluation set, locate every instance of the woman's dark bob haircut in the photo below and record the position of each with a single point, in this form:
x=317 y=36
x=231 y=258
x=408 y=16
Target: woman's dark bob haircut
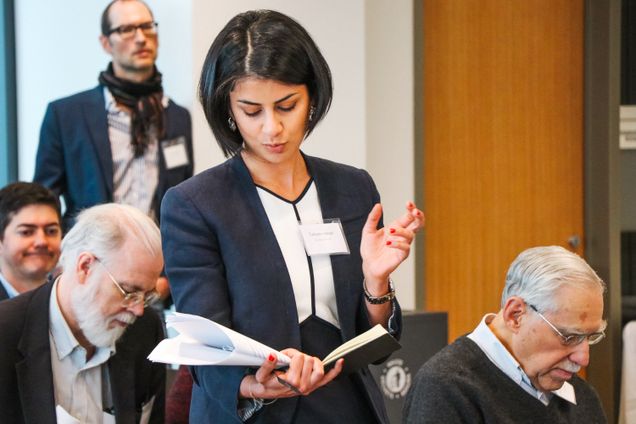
x=262 y=44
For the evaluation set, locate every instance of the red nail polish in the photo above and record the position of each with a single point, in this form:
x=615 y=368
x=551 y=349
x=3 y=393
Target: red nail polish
x=388 y=243
x=271 y=357
x=392 y=230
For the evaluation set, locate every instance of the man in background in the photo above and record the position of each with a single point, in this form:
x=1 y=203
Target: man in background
x=30 y=236
x=520 y=364
x=123 y=141
x=74 y=350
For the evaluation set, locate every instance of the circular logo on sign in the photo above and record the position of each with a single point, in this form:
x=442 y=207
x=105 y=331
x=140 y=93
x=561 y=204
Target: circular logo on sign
x=395 y=379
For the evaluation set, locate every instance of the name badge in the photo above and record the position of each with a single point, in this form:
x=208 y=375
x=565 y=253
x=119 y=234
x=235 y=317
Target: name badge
x=174 y=152
x=324 y=239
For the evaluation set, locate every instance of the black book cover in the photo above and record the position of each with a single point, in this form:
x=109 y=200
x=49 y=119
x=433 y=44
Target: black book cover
x=363 y=350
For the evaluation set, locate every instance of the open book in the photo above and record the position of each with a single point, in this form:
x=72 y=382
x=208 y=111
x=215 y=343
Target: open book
x=204 y=342
x=362 y=350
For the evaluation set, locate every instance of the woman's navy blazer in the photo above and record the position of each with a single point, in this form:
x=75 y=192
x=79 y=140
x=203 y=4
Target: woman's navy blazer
x=224 y=263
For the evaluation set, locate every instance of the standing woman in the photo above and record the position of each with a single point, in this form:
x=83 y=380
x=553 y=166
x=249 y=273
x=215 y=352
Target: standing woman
x=234 y=252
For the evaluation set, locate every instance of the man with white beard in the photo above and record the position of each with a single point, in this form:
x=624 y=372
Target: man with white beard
x=520 y=365
x=74 y=350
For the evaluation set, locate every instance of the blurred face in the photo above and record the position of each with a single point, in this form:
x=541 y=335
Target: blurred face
x=272 y=118
x=97 y=304
x=133 y=58
x=30 y=246
x=540 y=351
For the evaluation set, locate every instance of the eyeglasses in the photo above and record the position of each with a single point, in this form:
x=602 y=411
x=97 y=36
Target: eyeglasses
x=132 y=298
x=572 y=339
x=127 y=32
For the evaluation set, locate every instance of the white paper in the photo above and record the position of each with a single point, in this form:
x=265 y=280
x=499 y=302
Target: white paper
x=107 y=418
x=566 y=391
x=146 y=411
x=204 y=342
x=64 y=417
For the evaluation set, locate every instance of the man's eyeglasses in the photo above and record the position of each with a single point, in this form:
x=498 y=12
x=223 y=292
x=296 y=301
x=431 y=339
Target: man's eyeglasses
x=572 y=339
x=128 y=31
x=132 y=298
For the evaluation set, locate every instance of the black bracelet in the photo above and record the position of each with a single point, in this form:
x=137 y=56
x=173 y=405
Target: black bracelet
x=378 y=300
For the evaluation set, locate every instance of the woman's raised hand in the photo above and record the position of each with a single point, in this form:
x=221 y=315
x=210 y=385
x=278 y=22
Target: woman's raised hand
x=383 y=249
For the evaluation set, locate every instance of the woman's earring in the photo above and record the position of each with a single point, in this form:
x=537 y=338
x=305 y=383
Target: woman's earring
x=231 y=123
x=311 y=113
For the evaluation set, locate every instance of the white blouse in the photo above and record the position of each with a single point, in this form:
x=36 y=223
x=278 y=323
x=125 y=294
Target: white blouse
x=284 y=217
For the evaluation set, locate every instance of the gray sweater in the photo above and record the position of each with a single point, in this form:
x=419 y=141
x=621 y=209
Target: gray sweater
x=461 y=385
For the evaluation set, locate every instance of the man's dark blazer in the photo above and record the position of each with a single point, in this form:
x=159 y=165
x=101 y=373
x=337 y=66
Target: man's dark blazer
x=26 y=377
x=74 y=158
x=224 y=263
x=3 y=293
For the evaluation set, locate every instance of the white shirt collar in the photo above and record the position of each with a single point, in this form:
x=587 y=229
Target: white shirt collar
x=499 y=355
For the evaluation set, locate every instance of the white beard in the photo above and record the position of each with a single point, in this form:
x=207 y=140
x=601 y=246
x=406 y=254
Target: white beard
x=94 y=325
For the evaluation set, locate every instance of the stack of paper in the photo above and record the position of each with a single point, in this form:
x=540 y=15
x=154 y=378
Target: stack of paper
x=204 y=342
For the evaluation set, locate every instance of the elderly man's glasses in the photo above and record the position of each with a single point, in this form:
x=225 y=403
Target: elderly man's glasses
x=572 y=339
x=132 y=298
x=128 y=31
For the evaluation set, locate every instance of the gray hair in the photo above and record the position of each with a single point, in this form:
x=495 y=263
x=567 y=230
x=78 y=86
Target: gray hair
x=103 y=229
x=537 y=273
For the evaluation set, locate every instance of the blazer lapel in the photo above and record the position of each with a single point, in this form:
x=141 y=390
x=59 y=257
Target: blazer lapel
x=97 y=123
x=277 y=268
x=169 y=124
x=343 y=266
x=121 y=369
x=170 y=133
x=3 y=293
x=34 y=373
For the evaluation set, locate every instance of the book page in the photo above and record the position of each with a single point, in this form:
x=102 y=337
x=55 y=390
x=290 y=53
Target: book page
x=205 y=342
x=182 y=351
x=377 y=331
x=169 y=351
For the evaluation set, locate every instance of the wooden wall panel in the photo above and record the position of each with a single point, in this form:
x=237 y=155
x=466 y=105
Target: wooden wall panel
x=503 y=143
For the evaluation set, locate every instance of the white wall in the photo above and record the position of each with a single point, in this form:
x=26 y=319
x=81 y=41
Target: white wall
x=58 y=54
x=390 y=118
x=367 y=43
